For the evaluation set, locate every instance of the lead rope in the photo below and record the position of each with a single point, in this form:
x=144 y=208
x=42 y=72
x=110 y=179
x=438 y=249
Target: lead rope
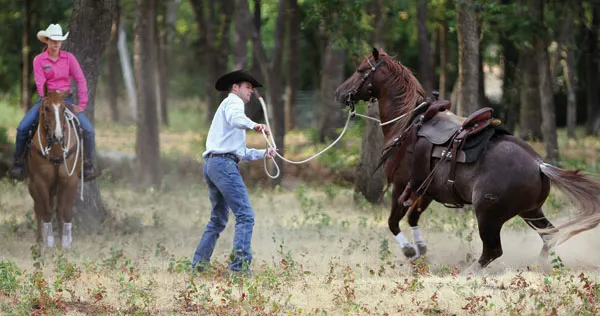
x=271 y=143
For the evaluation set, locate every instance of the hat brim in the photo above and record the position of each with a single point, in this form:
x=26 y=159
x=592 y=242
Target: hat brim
x=225 y=81
x=43 y=36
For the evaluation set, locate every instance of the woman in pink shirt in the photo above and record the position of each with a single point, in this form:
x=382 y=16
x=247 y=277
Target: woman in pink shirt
x=55 y=68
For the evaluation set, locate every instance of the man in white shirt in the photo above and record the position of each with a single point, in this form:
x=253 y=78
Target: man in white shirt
x=225 y=148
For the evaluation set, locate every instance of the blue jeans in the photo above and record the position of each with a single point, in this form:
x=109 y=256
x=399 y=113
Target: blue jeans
x=32 y=116
x=227 y=190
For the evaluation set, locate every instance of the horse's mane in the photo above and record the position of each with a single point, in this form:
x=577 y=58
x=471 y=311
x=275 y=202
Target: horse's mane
x=406 y=91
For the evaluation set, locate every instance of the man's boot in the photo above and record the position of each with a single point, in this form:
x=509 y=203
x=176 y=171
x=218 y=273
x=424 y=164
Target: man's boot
x=89 y=171
x=17 y=171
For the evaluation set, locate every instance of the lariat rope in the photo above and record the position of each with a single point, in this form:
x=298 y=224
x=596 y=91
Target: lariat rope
x=351 y=113
x=72 y=123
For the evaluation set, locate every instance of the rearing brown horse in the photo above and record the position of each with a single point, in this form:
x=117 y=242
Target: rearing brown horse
x=54 y=166
x=507 y=179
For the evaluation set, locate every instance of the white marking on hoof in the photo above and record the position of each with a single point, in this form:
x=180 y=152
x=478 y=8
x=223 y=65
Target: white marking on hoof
x=48 y=235
x=67 y=239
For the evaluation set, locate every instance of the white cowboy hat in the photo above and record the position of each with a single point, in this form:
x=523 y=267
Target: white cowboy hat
x=53 y=32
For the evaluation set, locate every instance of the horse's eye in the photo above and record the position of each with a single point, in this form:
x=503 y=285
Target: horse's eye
x=47 y=109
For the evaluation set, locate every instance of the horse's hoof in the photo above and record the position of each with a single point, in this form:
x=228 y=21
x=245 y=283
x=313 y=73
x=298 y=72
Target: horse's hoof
x=409 y=251
x=67 y=243
x=473 y=269
x=50 y=242
x=422 y=248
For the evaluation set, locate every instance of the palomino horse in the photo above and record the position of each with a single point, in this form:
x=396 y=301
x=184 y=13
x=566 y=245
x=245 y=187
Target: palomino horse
x=507 y=178
x=53 y=163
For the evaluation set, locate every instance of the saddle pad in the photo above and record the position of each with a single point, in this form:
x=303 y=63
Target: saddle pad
x=438 y=131
x=475 y=144
x=473 y=147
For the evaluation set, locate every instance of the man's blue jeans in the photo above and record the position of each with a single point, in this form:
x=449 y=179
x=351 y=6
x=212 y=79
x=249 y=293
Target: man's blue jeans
x=227 y=190
x=32 y=116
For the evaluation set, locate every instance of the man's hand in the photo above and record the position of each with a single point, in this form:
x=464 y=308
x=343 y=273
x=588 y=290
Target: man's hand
x=262 y=127
x=271 y=152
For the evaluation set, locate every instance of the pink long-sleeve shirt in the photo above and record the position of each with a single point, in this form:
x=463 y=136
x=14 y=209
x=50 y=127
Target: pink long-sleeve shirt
x=57 y=74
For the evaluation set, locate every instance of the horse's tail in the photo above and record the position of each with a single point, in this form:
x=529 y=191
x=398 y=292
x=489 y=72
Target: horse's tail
x=583 y=191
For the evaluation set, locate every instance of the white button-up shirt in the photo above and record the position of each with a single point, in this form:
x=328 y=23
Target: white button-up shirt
x=227 y=133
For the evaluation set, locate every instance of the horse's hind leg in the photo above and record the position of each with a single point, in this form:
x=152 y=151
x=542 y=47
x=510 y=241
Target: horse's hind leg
x=413 y=221
x=537 y=220
x=398 y=212
x=490 y=225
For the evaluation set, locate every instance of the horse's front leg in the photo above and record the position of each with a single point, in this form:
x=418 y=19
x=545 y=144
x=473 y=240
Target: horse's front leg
x=398 y=212
x=413 y=221
x=41 y=200
x=66 y=198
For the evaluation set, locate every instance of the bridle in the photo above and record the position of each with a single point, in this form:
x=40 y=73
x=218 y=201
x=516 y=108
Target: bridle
x=351 y=98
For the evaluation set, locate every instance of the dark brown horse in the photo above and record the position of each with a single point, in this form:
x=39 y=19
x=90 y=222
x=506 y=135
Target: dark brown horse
x=54 y=166
x=507 y=179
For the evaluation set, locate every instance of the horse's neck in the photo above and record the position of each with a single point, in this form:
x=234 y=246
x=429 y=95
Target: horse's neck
x=388 y=112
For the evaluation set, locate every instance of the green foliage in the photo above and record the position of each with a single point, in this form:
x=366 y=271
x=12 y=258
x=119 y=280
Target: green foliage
x=9 y=274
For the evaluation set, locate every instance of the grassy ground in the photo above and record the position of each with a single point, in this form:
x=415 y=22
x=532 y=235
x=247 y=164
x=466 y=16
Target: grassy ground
x=316 y=251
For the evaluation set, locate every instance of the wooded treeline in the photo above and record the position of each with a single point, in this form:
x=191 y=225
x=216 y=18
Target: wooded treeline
x=146 y=53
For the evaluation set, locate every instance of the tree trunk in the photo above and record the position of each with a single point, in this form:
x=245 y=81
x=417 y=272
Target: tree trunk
x=160 y=38
x=213 y=20
x=240 y=39
x=272 y=70
x=510 y=98
x=165 y=53
x=127 y=71
x=380 y=13
x=443 y=59
x=368 y=183
x=25 y=53
x=292 y=63
x=331 y=77
x=468 y=60
x=569 y=67
x=545 y=85
x=530 y=116
x=112 y=66
x=426 y=72
x=571 y=95
x=89 y=35
x=147 y=142
x=592 y=72
x=253 y=108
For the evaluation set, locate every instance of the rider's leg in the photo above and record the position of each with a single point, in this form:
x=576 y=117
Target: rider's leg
x=89 y=135
x=22 y=132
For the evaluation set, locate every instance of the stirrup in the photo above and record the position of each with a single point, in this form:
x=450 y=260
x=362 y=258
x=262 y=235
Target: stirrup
x=89 y=172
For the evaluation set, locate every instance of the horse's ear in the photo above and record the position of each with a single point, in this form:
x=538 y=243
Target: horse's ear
x=375 y=53
x=45 y=89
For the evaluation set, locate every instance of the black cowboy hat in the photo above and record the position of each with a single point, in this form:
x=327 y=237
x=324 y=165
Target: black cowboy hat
x=226 y=80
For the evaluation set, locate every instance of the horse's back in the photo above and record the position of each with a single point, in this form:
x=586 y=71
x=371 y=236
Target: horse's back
x=506 y=171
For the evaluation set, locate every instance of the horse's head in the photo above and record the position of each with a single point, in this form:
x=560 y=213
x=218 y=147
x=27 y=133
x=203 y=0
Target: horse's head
x=365 y=82
x=52 y=114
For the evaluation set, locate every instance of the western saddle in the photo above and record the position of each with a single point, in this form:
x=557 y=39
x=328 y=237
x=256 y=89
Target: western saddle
x=436 y=132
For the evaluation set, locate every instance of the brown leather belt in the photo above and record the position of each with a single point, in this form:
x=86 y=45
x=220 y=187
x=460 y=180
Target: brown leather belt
x=226 y=155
